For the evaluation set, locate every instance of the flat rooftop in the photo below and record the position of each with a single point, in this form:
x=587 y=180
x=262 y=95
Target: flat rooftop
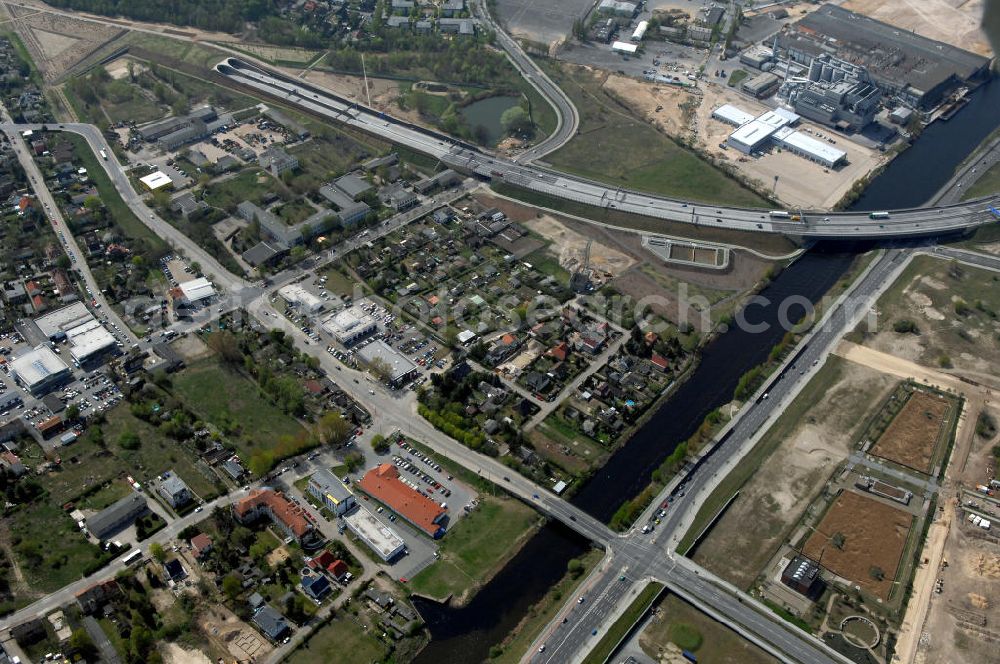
x=156 y=180
x=61 y=320
x=197 y=289
x=888 y=51
x=380 y=537
x=38 y=364
x=89 y=339
x=399 y=364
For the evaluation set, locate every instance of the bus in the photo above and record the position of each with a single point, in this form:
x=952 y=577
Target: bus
x=878 y=215
x=133 y=557
x=779 y=214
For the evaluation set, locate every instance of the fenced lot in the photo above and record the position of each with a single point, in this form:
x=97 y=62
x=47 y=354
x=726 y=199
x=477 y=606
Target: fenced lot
x=917 y=435
x=862 y=540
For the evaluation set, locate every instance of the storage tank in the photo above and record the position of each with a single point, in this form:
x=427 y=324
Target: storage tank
x=815 y=67
x=640 y=31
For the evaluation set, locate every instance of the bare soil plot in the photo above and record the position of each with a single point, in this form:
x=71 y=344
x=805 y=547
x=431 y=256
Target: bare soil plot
x=913 y=434
x=175 y=654
x=570 y=246
x=58 y=42
x=797 y=455
x=227 y=633
x=954 y=22
x=871 y=537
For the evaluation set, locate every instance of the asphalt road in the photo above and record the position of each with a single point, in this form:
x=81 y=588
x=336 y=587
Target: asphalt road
x=397 y=410
x=568 y=117
x=853 y=225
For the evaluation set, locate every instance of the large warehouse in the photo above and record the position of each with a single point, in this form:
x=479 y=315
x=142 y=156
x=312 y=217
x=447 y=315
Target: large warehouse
x=775 y=128
x=89 y=341
x=918 y=71
x=39 y=370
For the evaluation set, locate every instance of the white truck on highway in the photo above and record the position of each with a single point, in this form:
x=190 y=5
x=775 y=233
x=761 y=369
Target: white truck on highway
x=104 y=154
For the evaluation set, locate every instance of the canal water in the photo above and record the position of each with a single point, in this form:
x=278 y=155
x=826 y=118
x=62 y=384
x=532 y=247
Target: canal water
x=464 y=636
x=487 y=113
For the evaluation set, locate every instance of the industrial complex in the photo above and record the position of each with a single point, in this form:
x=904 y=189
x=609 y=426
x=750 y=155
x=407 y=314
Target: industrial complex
x=774 y=128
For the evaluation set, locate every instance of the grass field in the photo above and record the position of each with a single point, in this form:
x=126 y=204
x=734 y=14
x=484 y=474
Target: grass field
x=688 y=628
x=156 y=454
x=250 y=184
x=119 y=211
x=635 y=611
x=472 y=550
x=872 y=538
x=516 y=644
x=988 y=183
x=232 y=402
x=345 y=636
x=50 y=549
x=634 y=154
x=324 y=158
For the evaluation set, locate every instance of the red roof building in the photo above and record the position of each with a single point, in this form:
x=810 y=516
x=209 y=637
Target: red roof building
x=559 y=352
x=337 y=569
x=322 y=560
x=383 y=484
x=201 y=544
x=659 y=362
x=286 y=515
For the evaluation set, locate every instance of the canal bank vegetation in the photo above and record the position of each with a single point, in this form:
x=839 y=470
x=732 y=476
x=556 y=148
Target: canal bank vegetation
x=624 y=625
x=520 y=639
x=476 y=548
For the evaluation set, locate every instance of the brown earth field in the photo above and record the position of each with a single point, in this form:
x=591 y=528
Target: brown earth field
x=874 y=536
x=815 y=434
x=913 y=434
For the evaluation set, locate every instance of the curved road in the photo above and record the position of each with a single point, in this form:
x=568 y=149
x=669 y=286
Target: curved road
x=917 y=222
x=568 y=117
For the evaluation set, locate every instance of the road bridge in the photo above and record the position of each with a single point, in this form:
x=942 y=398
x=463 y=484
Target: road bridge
x=914 y=222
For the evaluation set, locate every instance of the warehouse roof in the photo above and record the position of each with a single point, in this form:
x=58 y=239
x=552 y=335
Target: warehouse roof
x=89 y=339
x=732 y=114
x=808 y=145
x=61 y=320
x=37 y=365
x=399 y=364
x=156 y=180
x=753 y=133
x=383 y=484
x=197 y=289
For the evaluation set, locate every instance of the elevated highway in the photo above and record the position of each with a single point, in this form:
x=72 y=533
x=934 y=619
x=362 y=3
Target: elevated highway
x=916 y=222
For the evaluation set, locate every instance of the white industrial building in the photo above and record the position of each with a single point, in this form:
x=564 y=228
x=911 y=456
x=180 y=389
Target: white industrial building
x=640 y=31
x=624 y=47
x=350 y=325
x=732 y=115
x=775 y=128
x=808 y=147
x=298 y=297
x=39 y=370
x=54 y=325
x=89 y=341
x=197 y=290
x=379 y=537
x=156 y=180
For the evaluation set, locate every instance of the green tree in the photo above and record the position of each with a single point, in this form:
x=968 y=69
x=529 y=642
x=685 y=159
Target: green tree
x=332 y=428
x=515 y=120
x=81 y=643
x=838 y=540
x=129 y=440
x=158 y=552
x=231 y=586
x=380 y=444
